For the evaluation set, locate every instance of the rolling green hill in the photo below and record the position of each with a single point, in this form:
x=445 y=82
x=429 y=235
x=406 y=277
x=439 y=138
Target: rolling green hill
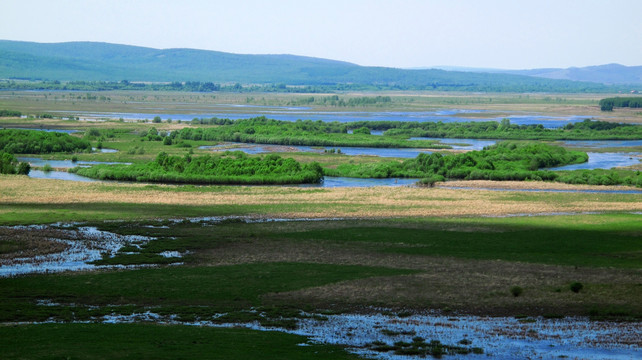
x=90 y=61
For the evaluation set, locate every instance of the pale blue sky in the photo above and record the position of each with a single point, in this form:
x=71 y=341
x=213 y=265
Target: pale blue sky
x=508 y=34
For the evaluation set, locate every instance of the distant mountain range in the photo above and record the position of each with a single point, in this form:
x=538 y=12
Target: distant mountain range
x=603 y=74
x=92 y=61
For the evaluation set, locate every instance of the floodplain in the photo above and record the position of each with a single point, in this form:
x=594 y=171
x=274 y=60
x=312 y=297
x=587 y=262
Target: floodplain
x=460 y=269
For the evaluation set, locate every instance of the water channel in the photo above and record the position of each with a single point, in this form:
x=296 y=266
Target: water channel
x=296 y=113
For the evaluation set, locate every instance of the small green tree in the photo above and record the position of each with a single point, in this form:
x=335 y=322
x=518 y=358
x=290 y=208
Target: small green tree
x=7 y=163
x=576 y=287
x=516 y=291
x=362 y=130
x=24 y=168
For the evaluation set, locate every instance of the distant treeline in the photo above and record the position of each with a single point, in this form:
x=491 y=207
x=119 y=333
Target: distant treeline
x=17 y=141
x=229 y=168
x=609 y=103
x=10 y=113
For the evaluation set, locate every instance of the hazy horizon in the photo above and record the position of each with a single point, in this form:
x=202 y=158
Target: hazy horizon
x=497 y=34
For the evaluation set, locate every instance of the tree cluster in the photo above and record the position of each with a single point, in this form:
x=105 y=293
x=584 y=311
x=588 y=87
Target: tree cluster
x=608 y=104
x=18 y=141
x=9 y=165
x=503 y=161
x=229 y=168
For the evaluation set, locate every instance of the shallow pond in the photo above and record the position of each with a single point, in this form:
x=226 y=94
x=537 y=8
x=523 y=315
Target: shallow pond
x=105 y=151
x=83 y=245
x=65 y=163
x=478 y=144
x=461 y=144
x=604 y=161
x=598 y=144
x=498 y=337
x=58 y=175
x=347 y=150
x=294 y=113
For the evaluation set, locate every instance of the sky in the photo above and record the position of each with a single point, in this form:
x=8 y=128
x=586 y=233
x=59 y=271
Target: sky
x=506 y=34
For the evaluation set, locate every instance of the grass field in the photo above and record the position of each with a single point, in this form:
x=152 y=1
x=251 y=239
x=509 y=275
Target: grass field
x=148 y=341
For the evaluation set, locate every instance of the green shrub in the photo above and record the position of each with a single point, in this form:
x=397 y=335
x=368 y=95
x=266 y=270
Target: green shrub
x=47 y=168
x=576 y=287
x=516 y=291
x=17 y=141
x=24 y=168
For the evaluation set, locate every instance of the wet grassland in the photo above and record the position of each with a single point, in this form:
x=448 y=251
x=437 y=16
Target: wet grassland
x=275 y=274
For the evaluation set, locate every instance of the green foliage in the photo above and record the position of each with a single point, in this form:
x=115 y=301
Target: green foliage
x=430 y=180
x=262 y=130
x=24 y=168
x=92 y=133
x=230 y=168
x=362 y=130
x=502 y=161
x=10 y=113
x=601 y=177
x=39 y=142
x=585 y=130
x=576 y=287
x=608 y=104
x=516 y=291
x=7 y=163
x=47 y=168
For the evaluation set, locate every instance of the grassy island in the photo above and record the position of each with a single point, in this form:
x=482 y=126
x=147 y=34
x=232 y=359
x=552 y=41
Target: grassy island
x=230 y=168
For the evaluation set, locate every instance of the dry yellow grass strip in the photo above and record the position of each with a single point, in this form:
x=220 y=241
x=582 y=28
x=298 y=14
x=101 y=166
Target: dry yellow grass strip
x=345 y=202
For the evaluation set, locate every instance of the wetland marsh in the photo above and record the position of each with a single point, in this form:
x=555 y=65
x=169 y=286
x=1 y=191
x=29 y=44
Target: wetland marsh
x=343 y=269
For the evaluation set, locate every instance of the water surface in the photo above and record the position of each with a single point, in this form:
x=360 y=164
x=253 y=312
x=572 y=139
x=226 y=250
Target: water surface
x=461 y=144
x=346 y=150
x=58 y=175
x=604 y=161
x=293 y=114
x=34 y=161
x=599 y=144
